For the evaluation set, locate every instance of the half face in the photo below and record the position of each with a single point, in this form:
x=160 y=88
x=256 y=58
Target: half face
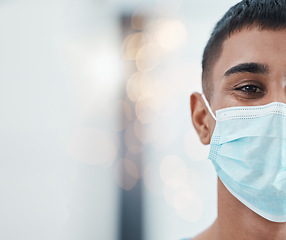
x=251 y=69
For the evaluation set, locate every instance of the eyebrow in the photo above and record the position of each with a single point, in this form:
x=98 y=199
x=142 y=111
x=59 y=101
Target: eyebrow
x=251 y=67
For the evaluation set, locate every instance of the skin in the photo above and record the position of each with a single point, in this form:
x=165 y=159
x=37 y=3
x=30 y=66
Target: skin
x=243 y=87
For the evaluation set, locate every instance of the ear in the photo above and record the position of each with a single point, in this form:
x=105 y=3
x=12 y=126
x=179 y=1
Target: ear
x=201 y=118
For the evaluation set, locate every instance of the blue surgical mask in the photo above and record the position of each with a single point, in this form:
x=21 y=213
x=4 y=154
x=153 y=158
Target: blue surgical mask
x=248 y=150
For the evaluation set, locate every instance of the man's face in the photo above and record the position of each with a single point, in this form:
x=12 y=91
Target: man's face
x=251 y=70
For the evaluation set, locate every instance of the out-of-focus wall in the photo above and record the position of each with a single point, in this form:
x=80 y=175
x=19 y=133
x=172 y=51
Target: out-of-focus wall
x=179 y=183
x=70 y=103
x=60 y=77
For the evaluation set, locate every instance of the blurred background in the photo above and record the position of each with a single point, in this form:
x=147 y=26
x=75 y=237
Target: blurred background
x=96 y=134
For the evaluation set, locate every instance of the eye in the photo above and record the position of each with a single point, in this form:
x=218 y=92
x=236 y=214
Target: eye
x=250 y=89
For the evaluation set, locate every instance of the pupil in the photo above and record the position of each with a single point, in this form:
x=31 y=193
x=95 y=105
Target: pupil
x=250 y=88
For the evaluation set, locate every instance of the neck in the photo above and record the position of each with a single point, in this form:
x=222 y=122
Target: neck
x=237 y=222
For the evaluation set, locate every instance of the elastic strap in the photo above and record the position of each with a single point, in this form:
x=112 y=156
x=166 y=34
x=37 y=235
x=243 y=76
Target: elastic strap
x=208 y=106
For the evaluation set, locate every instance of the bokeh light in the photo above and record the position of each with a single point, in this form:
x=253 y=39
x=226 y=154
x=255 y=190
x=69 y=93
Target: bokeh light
x=147 y=109
x=186 y=199
x=152 y=180
x=170 y=194
x=101 y=108
x=138 y=84
x=133 y=43
x=131 y=168
x=156 y=87
x=185 y=78
x=170 y=34
x=142 y=135
x=125 y=109
x=131 y=141
x=164 y=132
x=173 y=171
x=148 y=57
x=126 y=174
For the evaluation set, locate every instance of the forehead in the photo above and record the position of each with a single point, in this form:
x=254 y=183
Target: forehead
x=252 y=45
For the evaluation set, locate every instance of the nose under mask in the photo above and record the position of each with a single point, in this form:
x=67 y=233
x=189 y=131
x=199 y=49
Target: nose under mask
x=248 y=151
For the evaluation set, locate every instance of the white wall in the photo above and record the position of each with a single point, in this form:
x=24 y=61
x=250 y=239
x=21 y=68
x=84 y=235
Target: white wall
x=49 y=119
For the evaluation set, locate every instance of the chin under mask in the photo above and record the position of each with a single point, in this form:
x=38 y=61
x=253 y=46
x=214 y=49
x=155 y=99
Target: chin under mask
x=248 y=150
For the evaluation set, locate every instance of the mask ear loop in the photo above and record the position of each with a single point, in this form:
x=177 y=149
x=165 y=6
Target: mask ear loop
x=208 y=106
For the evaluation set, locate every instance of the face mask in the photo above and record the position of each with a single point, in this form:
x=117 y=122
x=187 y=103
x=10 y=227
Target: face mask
x=248 y=150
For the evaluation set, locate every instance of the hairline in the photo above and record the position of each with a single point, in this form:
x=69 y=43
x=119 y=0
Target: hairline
x=207 y=73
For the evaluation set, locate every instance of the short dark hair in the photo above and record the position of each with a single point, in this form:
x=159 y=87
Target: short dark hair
x=266 y=14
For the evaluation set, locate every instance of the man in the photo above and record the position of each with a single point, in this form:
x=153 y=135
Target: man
x=244 y=83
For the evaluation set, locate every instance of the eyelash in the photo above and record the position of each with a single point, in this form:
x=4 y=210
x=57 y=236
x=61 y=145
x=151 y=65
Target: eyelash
x=254 y=90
